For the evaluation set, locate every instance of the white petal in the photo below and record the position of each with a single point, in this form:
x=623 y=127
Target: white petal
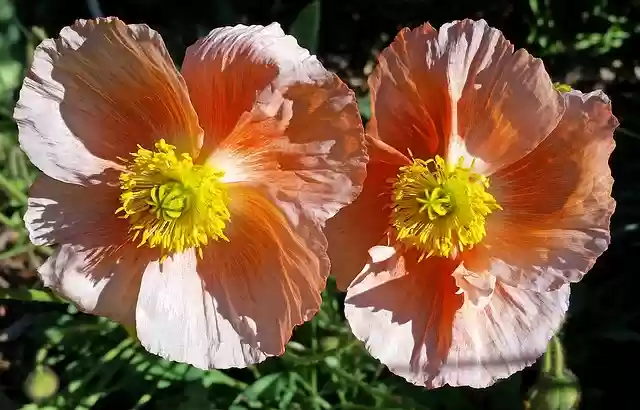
x=178 y=319
x=100 y=281
x=411 y=319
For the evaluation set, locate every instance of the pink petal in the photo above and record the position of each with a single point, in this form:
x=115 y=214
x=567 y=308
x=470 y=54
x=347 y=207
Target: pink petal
x=462 y=91
x=557 y=201
x=404 y=309
x=101 y=281
x=239 y=304
x=178 y=318
x=410 y=107
x=411 y=319
x=509 y=334
x=506 y=102
x=93 y=267
x=362 y=225
x=228 y=68
x=277 y=118
x=63 y=213
x=96 y=92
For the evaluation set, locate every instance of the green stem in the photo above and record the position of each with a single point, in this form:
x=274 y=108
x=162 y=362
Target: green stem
x=12 y=190
x=558 y=363
x=547 y=359
x=30 y=295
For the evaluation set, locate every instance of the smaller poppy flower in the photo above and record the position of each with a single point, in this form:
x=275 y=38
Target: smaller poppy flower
x=488 y=191
x=188 y=205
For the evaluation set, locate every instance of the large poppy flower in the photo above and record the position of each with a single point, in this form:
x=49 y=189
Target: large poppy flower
x=188 y=204
x=488 y=192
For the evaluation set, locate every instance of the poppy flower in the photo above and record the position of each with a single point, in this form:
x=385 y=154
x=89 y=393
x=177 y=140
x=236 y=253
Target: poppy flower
x=488 y=191
x=188 y=204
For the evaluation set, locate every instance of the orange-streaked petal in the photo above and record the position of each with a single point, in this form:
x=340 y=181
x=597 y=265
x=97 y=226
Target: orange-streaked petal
x=96 y=92
x=506 y=102
x=410 y=107
x=396 y=292
x=239 y=304
x=462 y=91
x=510 y=333
x=557 y=202
x=412 y=319
x=305 y=144
x=226 y=70
x=362 y=225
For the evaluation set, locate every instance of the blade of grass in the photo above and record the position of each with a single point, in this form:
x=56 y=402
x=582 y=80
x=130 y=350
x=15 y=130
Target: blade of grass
x=12 y=190
x=30 y=295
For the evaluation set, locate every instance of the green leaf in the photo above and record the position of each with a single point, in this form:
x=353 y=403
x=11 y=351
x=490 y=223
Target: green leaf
x=30 y=295
x=307 y=26
x=252 y=392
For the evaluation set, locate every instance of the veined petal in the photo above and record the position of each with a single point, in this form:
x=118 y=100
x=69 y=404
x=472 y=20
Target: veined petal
x=476 y=288
x=411 y=318
x=557 y=201
x=403 y=310
x=94 y=267
x=462 y=91
x=96 y=92
x=239 y=304
x=301 y=135
x=510 y=333
x=103 y=281
x=226 y=70
x=177 y=318
x=362 y=225
x=506 y=102
x=63 y=213
x=410 y=109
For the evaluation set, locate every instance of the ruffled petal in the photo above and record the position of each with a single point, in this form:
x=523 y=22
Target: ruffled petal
x=510 y=333
x=404 y=309
x=557 y=202
x=476 y=288
x=96 y=92
x=103 y=281
x=228 y=68
x=94 y=267
x=462 y=91
x=63 y=213
x=291 y=124
x=362 y=225
x=178 y=318
x=411 y=318
x=410 y=107
x=239 y=304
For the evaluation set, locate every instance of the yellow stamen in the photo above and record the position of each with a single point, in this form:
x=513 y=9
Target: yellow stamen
x=171 y=203
x=439 y=208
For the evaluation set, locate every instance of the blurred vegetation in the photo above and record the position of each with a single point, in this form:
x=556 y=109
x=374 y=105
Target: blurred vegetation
x=52 y=357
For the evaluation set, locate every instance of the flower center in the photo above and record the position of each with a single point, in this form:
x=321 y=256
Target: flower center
x=171 y=203
x=440 y=208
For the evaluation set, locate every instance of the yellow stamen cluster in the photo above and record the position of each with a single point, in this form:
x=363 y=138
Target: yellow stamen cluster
x=171 y=203
x=440 y=208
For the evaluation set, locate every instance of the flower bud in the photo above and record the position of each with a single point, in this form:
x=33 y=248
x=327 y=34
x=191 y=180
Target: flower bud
x=41 y=384
x=557 y=388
